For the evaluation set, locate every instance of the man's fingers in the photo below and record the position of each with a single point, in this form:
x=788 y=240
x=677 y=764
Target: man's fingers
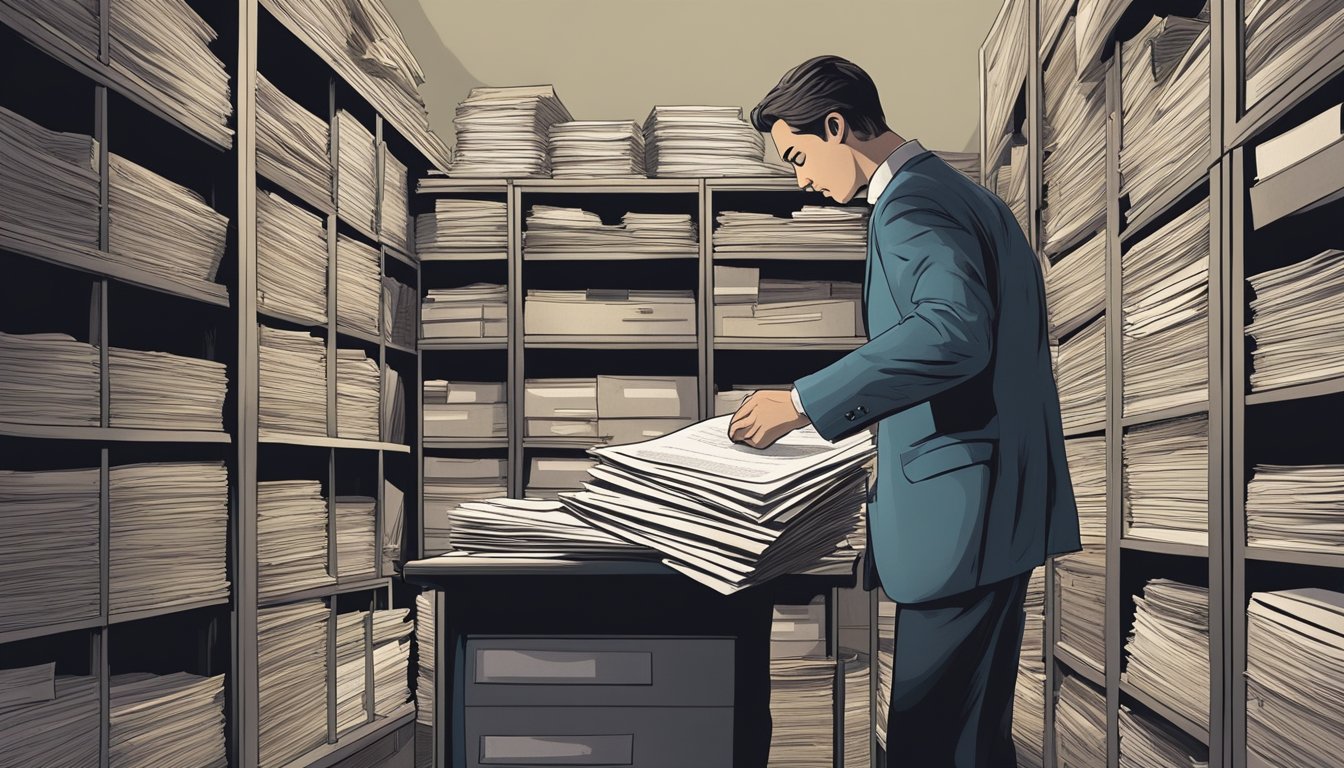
x=738 y=430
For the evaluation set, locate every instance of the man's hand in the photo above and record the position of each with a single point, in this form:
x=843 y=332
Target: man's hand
x=765 y=416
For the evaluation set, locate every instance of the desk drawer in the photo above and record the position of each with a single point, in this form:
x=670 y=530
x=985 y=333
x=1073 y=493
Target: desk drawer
x=648 y=737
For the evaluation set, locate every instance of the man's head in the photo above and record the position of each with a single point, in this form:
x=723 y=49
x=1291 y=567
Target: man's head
x=818 y=115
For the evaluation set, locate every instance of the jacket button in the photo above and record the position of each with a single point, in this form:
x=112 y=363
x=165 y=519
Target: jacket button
x=861 y=409
x=849 y=415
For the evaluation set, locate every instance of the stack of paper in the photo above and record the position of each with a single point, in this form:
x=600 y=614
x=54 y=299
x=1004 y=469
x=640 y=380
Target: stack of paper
x=465 y=409
x=48 y=185
x=549 y=475
x=73 y=22
x=1087 y=469
x=1080 y=724
x=291 y=537
x=728 y=401
x=291 y=680
x=394 y=520
x=1283 y=37
x=745 y=305
x=1052 y=14
x=1294 y=171
x=448 y=482
x=394 y=205
x=426 y=662
x=597 y=149
x=1147 y=741
x=560 y=233
x=1299 y=507
x=393 y=407
x=174 y=721
x=1009 y=182
x=503 y=132
x=169 y=535
x=965 y=163
x=1006 y=54
x=291 y=260
x=1074 y=168
x=359 y=285
x=292 y=144
x=158 y=390
x=1075 y=286
x=858 y=733
x=1080 y=584
x=798 y=631
x=1081 y=373
x=49 y=378
x=802 y=711
x=355 y=546
x=49 y=548
x=1297 y=323
x=1166 y=481
x=886 y=649
x=1029 y=693
x=1168 y=648
x=1165 y=349
x=462 y=226
x=60 y=731
x=700 y=141
x=534 y=527
x=392 y=630
x=609 y=312
x=358 y=389
x=351 y=652
x=293 y=383
x=476 y=311
x=821 y=230
x=356 y=174
x=400 y=312
x=27 y=685
x=1294 y=697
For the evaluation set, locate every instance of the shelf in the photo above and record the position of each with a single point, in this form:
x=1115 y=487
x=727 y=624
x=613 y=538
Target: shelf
x=291 y=188
x=1297 y=392
x=627 y=256
x=538 y=341
x=1084 y=669
x=166 y=610
x=326 y=590
x=443 y=184
x=1152 y=417
x=356 y=739
x=1093 y=227
x=1090 y=428
x=114 y=434
x=285 y=317
x=321 y=441
x=392 y=345
x=426 y=570
x=1190 y=727
x=400 y=255
x=47 y=630
x=464 y=256
x=466 y=443
x=355 y=333
x=454 y=345
x=764 y=255
x=364 y=232
x=572 y=443
x=1165 y=548
x=1295 y=557
x=789 y=345
x=1304 y=82
x=1164 y=204
x=635 y=185
x=754 y=184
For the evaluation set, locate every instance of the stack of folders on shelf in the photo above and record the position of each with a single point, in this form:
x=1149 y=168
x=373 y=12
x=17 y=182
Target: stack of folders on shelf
x=291 y=680
x=1087 y=468
x=355 y=545
x=48 y=719
x=48 y=185
x=393 y=407
x=450 y=481
x=291 y=261
x=696 y=141
x=1081 y=372
x=1283 y=37
x=1029 y=693
x=291 y=537
x=886 y=650
x=1166 y=481
x=1080 y=724
x=359 y=285
x=1005 y=61
x=394 y=521
x=549 y=475
x=394 y=205
x=426 y=662
x=293 y=144
x=1297 y=323
x=73 y=22
x=462 y=226
x=745 y=305
x=167 y=720
x=1299 y=170
x=503 y=133
x=1009 y=182
x=400 y=309
x=50 y=379
x=351 y=659
x=728 y=401
x=1074 y=168
x=49 y=547
x=149 y=390
x=162 y=227
x=392 y=630
x=614 y=409
x=1080 y=584
x=1075 y=286
x=1147 y=741
x=1052 y=15
x=597 y=149
x=1165 y=350
x=465 y=409
x=817 y=230
x=858 y=733
x=1166 y=108
x=1296 y=507
x=1294 y=669
x=1096 y=21
x=609 y=312
x=292 y=383
x=169 y=535
x=164 y=46
x=476 y=311
x=965 y=163
x=359 y=385
x=502 y=527
x=567 y=233
x=802 y=692
x=356 y=174
x=1168 y=648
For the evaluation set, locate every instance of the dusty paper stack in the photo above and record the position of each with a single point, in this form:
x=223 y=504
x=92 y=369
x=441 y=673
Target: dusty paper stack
x=1168 y=648
x=1080 y=724
x=358 y=392
x=1282 y=38
x=1166 y=481
x=292 y=145
x=351 y=652
x=173 y=721
x=1005 y=60
x=48 y=185
x=401 y=309
x=822 y=231
x=1075 y=286
x=558 y=233
x=1296 y=507
x=1297 y=323
x=1087 y=469
x=695 y=141
x=392 y=630
x=1074 y=168
x=49 y=547
x=355 y=532
x=291 y=261
x=291 y=537
x=356 y=174
x=291 y=680
x=1080 y=589
x=359 y=285
x=1081 y=373
x=158 y=390
x=1029 y=693
x=1147 y=741
x=501 y=527
x=292 y=382
x=50 y=379
x=394 y=205
x=462 y=227
x=74 y=23
x=56 y=727
x=503 y=133
x=597 y=149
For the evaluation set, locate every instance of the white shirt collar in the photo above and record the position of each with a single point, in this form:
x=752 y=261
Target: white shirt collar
x=890 y=167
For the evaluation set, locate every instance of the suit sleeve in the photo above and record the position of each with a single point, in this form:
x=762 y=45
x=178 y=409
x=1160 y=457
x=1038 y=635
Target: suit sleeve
x=946 y=338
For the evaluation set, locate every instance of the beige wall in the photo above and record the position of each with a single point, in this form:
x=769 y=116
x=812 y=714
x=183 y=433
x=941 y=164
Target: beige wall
x=615 y=59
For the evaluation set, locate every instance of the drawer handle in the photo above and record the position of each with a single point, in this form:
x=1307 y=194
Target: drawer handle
x=513 y=666
x=615 y=749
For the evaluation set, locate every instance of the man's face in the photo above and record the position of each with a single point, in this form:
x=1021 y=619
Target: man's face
x=824 y=164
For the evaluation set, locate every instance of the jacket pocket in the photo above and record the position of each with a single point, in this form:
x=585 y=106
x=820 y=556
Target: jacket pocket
x=938 y=457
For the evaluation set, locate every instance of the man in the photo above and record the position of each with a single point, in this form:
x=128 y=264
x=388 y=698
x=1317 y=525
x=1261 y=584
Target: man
x=972 y=490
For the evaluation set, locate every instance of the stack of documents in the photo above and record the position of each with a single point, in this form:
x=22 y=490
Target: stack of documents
x=858 y=714
x=291 y=537
x=549 y=475
x=400 y=312
x=597 y=149
x=1097 y=20
x=55 y=731
x=567 y=233
x=291 y=680
x=426 y=662
x=1165 y=354
x=1294 y=697
x=1080 y=723
x=169 y=535
x=798 y=631
x=1299 y=507
x=802 y=711
x=503 y=133
x=534 y=527
x=1282 y=39
x=1075 y=286
x=1080 y=583
x=392 y=630
x=1009 y=182
x=728 y=401
x=819 y=230
x=292 y=144
x=50 y=379
x=448 y=482
x=291 y=260
x=351 y=657
x=1168 y=649
x=394 y=205
x=462 y=226
x=1147 y=741
x=1029 y=693
x=465 y=409
x=745 y=305
x=1052 y=14
x=356 y=174
x=358 y=389
x=356 y=548
x=1074 y=168
x=73 y=22
x=359 y=285
x=1297 y=322
x=1081 y=373
x=616 y=409
x=174 y=721
x=48 y=185
x=609 y=312
x=1005 y=55
x=476 y=311
x=393 y=407
x=886 y=649
x=700 y=141
x=158 y=390
x=164 y=47
x=49 y=547
x=1166 y=481
x=1087 y=468
x=1297 y=171
x=394 y=520
x=965 y=163
x=293 y=383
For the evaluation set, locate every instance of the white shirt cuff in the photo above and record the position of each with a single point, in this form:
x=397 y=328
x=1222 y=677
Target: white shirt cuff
x=797 y=401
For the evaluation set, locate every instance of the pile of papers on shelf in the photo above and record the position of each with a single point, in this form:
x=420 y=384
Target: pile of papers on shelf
x=358 y=391
x=1165 y=349
x=291 y=680
x=1052 y=15
x=351 y=650
x=1294 y=669
x=802 y=711
x=1074 y=168
x=745 y=305
x=1006 y=56
x=48 y=185
x=359 y=285
x=886 y=650
x=1009 y=182
x=356 y=174
x=700 y=141
x=394 y=520
x=798 y=631
x=168 y=720
x=503 y=527
x=392 y=630
x=554 y=232
x=393 y=407
x=50 y=379
x=728 y=401
x=597 y=149
x=58 y=727
x=169 y=535
x=547 y=476
x=355 y=545
x=1029 y=693
x=1296 y=507
x=400 y=309
x=450 y=481
x=73 y=22
x=1081 y=373
x=158 y=390
x=1283 y=37
x=293 y=145
x=609 y=312
x=1147 y=741
x=818 y=230
x=1075 y=286
x=291 y=260
x=1166 y=481
x=1298 y=170
x=291 y=537
x=394 y=211
x=293 y=382
x=426 y=662
x=1168 y=648
x=858 y=732
x=1080 y=584
x=611 y=409
x=465 y=409
x=503 y=133
x=49 y=547
x=965 y=163
x=1087 y=469
x=476 y=311
x=463 y=226
x=1297 y=322
x=1080 y=724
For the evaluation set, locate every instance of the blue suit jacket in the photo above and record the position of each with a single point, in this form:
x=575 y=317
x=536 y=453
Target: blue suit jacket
x=972 y=484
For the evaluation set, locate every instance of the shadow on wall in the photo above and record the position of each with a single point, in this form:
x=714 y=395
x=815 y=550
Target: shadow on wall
x=447 y=80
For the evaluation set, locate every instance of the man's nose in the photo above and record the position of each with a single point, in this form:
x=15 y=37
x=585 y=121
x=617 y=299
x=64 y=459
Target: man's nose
x=804 y=183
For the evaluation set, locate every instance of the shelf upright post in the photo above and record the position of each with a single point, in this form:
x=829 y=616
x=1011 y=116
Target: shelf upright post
x=874 y=690
x=1225 y=64
x=705 y=300
x=1233 y=172
x=370 y=692
x=1114 y=410
x=332 y=287
x=331 y=668
x=1219 y=460
x=517 y=387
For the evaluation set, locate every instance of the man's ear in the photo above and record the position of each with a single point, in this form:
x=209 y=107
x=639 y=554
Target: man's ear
x=835 y=127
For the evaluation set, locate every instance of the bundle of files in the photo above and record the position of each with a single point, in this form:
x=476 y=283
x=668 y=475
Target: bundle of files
x=724 y=514
x=1009 y=182
x=614 y=409
x=351 y=658
x=747 y=305
x=965 y=163
x=359 y=285
x=291 y=261
x=400 y=310
x=1087 y=469
x=358 y=389
x=886 y=650
x=1298 y=170
x=1282 y=38
x=50 y=379
x=1165 y=349
x=291 y=680
x=1166 y=481
x=696 y=141
x=1165 y=126
x=174 y=721
x=72 y=22
x=1052 y=16
x=291 y=537
x=476 y=311
x=1080 y=724
x=1296 y=507
x=1075 y=286
x=293 y=145
x=394 y=520
x=858 y=715
x=1297 y=323
x=560 y=233
x=426 y=661
x=609 y=312
x=1029 y=691
x=1074 y=168
x=1147 y=741
x=1294 y=669
x=547 y=476
x=503 y=132
x=728 y=401
x=1168 y=648
x=57 y=727
x=597 y=149
x=462 y=226
x=292 y=382
x=162 y=227
x=49 y=547
x=356 y=548
x=465 y=409
x=394 y=205
x=356 y=174
x=534 y=527
x=448 y=482
x=392 y=630
x=1006 y=56
x=818 y=230
x=158 y=390
x=169 y=535
x=163 y=46
x=48 y=186
x=1080 y=584
x=393 y=407
x=802 y=712
x=1081 y=374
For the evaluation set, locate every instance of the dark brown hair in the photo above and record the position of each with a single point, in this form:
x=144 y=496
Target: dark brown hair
x=814 y=89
